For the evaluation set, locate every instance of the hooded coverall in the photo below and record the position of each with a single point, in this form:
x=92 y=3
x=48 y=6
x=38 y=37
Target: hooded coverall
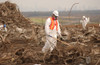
x=84 y=22
x=50 y=43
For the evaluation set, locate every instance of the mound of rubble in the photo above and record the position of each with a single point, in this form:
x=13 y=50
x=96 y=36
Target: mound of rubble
x=10 y=14
x=19 y=32
x=86 y=50
x=18 y=27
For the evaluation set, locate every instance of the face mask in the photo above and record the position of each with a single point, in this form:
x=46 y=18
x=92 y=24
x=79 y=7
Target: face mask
x=54 y=18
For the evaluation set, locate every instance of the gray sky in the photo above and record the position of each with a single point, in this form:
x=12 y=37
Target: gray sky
x=50 y=5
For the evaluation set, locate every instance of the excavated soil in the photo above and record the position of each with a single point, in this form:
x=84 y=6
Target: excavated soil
x=22 y=43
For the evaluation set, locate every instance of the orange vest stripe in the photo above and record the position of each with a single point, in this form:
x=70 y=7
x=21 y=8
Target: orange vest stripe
x=52 y=25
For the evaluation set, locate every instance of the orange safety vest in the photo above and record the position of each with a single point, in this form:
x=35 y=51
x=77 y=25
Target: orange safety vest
x=52 y=25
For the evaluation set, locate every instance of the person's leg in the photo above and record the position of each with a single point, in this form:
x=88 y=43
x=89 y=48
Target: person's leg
x=83 y=24
x=53 y=43
x=46 y=47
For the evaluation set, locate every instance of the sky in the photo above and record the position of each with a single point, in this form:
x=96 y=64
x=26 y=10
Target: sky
x=60 y=5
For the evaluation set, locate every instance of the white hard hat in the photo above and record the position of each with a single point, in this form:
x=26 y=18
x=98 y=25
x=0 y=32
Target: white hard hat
x=56 y=13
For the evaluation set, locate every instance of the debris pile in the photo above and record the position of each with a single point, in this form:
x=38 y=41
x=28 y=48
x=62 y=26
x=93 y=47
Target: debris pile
x=20 y=32
x=10 y=14
x=18 y=26
x=87 y=45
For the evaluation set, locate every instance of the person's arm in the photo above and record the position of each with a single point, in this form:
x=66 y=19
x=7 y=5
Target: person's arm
x=59 y=31
x=47 y=26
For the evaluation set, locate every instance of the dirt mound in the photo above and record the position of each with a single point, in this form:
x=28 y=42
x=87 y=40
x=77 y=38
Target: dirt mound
x=10 y=14
x=19 y=31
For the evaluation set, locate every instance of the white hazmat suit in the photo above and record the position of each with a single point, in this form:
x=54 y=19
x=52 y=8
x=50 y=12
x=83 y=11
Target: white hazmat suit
x=50 y=43
x=3 y=27
x=84 y=21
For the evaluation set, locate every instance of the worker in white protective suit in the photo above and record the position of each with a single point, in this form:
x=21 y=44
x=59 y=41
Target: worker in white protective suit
x=52 y=29
x=3 y=27
x=84 y=21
